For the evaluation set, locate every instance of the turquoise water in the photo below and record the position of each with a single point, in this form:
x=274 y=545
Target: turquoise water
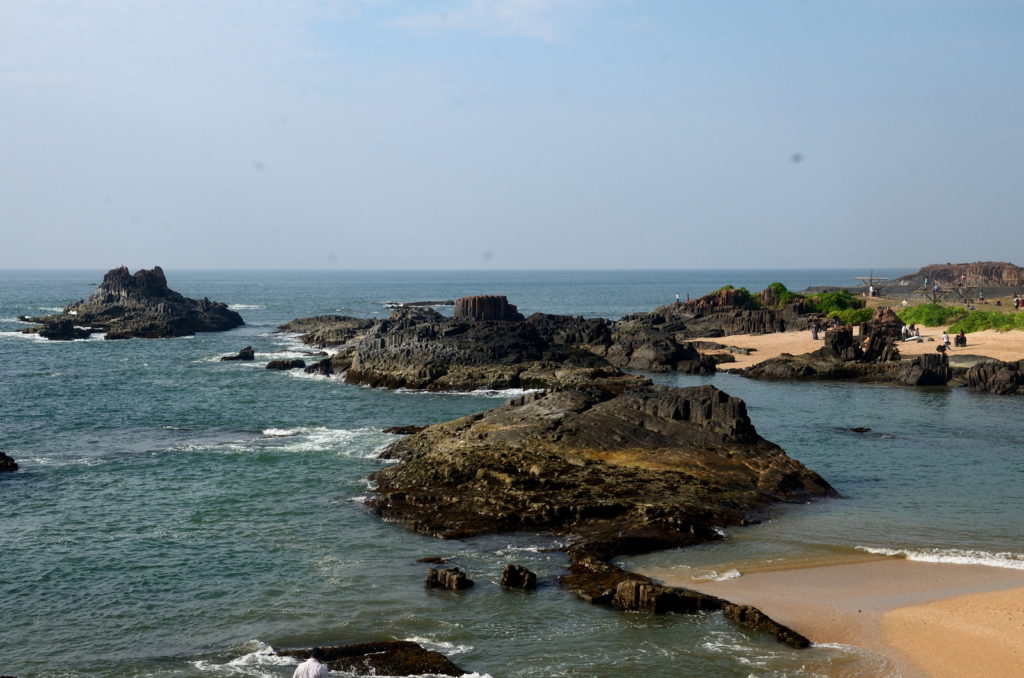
x=178 y=516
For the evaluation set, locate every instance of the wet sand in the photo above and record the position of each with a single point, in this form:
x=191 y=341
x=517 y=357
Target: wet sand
x=932 y=620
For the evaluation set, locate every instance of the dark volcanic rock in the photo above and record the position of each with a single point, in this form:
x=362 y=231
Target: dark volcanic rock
x=246 y=353
x=648 y=469
x=452 y=579
x=751 y=617
x=985 y=274
x=141 y=305
x=7 y=464
x=388 y=658
x=518 y=577
x=1001 y=378
x=324 y=331
x=293 y=364
x=62 y=330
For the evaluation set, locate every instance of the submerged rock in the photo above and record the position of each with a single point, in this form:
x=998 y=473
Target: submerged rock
x=387 y=658
x=292 y=364
x=7 y=464
x=141 y=305
x=246 y=353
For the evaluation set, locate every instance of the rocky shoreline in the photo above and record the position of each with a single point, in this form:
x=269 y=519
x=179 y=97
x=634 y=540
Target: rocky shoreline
x=648 y=469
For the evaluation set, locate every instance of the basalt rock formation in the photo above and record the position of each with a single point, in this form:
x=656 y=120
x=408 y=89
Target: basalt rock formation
x=140 y=305
x=1001 y=378
x=452 y=579
x=388 y=658
x=291 y=364
x=7 y=464
x=518 y=577
x=648 y=469
x=487 y=345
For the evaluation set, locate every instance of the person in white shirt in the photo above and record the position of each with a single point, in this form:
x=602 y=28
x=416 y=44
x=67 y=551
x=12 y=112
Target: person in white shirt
x=314 y=667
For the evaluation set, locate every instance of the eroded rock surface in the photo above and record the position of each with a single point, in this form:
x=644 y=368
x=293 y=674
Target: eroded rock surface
x=127 y=305
x=7 y=464
x=1002 y=378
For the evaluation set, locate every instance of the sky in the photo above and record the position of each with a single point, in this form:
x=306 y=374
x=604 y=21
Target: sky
x=510 y=134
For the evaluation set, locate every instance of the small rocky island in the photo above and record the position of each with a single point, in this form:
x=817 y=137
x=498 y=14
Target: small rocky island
x=647 y=469
x=139 y=305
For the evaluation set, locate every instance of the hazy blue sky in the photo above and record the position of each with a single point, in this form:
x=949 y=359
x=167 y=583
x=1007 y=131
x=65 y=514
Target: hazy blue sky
x=510 y=133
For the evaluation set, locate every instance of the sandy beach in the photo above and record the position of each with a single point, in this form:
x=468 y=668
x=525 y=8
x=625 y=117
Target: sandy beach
x=932 y=620
x=1006 y=346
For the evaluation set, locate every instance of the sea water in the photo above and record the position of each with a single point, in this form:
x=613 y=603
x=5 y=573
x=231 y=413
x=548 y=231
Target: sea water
x=177 y=516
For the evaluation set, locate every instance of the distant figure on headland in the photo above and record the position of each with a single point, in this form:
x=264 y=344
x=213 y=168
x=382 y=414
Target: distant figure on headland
x=677 y=297
x=314 y=667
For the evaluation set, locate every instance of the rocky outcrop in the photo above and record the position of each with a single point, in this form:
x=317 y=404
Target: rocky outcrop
x=246 y=353
x=7 y=464
x=1001 y=378
x=518 y=577
x=452 y=579
x=648 y=469
x=140 y=305
x=387 y=658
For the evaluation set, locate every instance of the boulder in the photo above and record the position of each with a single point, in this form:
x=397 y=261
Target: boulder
x=61 y=330
x=246 y=353
x=452 y=579
x=518 y=577
x=141 y=305
x=7 y=464
x=387 y=658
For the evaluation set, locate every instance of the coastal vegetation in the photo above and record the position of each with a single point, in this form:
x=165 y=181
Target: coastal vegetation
x=976 y=321
x=931 y=315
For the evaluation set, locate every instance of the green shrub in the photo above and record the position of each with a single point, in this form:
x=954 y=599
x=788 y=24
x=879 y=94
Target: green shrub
x=931 y=315
x=841 y=300
x=975 y=321
x=852 y=316
x=784 y=296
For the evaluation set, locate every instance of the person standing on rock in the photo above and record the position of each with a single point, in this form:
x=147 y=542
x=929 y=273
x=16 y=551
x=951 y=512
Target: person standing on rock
x=314 y=667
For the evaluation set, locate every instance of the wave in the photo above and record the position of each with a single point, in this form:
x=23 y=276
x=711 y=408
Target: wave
x=442 y=646
x=714 y=575
x=260 y=656
x=246 y=307
x=478 y=393
x=359 y=443
x=97 y=336
x=1006 y=559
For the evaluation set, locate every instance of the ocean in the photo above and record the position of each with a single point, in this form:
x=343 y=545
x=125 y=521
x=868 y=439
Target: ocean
x=175 y=516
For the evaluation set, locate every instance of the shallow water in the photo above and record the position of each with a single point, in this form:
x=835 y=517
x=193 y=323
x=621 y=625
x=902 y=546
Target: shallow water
x=176 y=516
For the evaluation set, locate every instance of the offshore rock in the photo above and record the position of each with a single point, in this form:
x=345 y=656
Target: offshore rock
x=246 y=353
x=649 y=469
x=140 y=305
x=1001 y=378
x=62 y=330
x=388 y=658
x=452 y=579
x=518 y=577
x=7 y=464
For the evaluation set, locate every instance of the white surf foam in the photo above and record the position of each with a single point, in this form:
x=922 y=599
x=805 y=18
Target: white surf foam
x=442 y=646
x=260 y=661
x=1013 y=561
x=714 y=575
x=246 y=307
x=502 y=393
